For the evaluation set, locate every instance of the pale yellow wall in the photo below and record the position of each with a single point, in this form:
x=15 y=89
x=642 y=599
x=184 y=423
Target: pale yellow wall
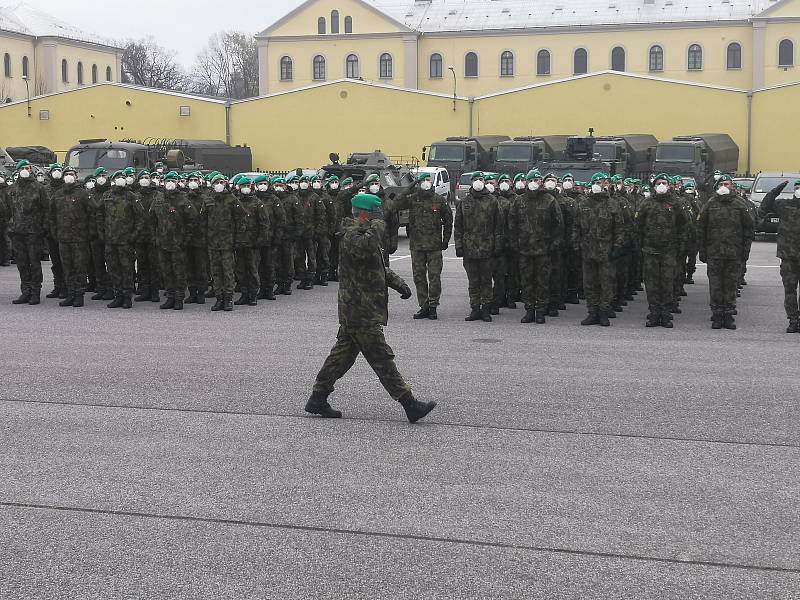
x=101 y=112
x=776 y=129
x=775 y=75
x=335 y=52
x=614 y=105
x=302 y=128
x=790 y=8
x=75 y=54
x=14 y=87
x=364 y=19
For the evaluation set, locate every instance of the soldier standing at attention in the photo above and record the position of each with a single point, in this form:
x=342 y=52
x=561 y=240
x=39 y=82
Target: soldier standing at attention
x=5 y=215
x=99 y=277
x=53 y=185
x=364 y=279
x=269 y=251
x=196 y=244
x=285 y=254
x=327 y=227
x=252 y=231
x=501 y=263
x=117 y=225
x=218 y=219
x=146 y=253
x=310 y=223
x=725 y=226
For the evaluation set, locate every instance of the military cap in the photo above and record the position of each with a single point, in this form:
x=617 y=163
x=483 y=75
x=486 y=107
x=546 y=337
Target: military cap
x=129 y=171
x=689 y=184
x=217 y=177
x=550 y=176
x=291 y=178
x=332 y=178
x=347 y=181
x=142 y=173
x=663 y=176
x=70 y=170
x=366 y=202
x=533 y=174
x=599 y=177
x=54 y=167
x=260 y=179
x=504 y=177
x=797 y=182
x=725 y=177
x=304 y=178
x=490 y=176
x=371 y=178
x=23 y=163
x=568 y=176
x=616 y=178
x=519 y=177
x=245 y=180
x=423 y=176
x=477 y=175
x=314 y=178
x=277 y=179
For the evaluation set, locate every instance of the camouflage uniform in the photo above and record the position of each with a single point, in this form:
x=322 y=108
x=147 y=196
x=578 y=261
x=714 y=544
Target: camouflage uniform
x=5 y=216
x=684 y=243
x=252 y=229
x=363 y=309
x=70 y=218
x=271 y=250
x=327 y=228
x=725 y=225
x=478 y=235
x=99 y=278
x=284 y=258
x=56 y=265
x=430 y=226
x=117 y=226
x=219 y=225
x=753 y=209
x=502 y=264
x=573 y=267
x=146 y=251
x=196 y=248
x=172 y=218
x=622 y=263
x=311 y=221
x=28 y=203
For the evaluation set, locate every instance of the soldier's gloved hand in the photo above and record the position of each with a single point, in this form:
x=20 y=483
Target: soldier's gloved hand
x=459 y=253
x=445 y=245
x=405 y=292
x=779 y=188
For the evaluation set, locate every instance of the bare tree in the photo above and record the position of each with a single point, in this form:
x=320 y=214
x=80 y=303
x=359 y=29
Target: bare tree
x=146 y=63
x=228 y=66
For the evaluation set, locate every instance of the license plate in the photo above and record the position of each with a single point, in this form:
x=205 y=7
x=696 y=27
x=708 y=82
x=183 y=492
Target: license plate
x=774 y=220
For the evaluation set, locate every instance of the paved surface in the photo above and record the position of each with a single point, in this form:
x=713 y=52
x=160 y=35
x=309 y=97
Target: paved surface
x=166 y=455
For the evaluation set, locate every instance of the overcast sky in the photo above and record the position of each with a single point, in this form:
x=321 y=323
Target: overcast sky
x=183 y=26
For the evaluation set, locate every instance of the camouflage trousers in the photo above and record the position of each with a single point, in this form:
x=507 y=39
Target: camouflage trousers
x=691 y=259
x=659 y=276
x=557 y=274
x=571 y=281
x=147 y=266
x=221 y=264
x=323 y=244
x=75 y=261
x=427 y=270
x=513 y=289
x=534 y=273
x=119 y=259
x=247 y=261
x=500 y=279
x=748 y=245
x=173 y=271
x=723 y=279
x=197 y=268
x=28 y=256
x=5 y=244
x=599 y=284
x=334 y=255
x=56 y=266
x=621 y=268
x=479 y=278
x=284 y=262
x=635 y=266
x=266 y=268
x=98 y=274
x=790 y=274
x=305 y=258
x=369 y=341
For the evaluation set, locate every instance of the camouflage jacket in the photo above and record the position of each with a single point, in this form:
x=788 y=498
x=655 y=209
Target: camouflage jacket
x=430 y=220
x=52 y=187
x=196 y=235
x=144 y=200
x=505 y=201
x=171 y=219
x=478 y=226
x=277 y=216
x=28 y=205
x=71 y=217
x=117 y=222
x=598 y=229
x=329 y=203
x=252 y=227
x=535 y=224
x=725 y=225
x=788 y=211
x=218 y=220
x=5 y=207
x=293 y=213
x=627 y=211
x=660 y=223
x=364 y=276
x=311 y=215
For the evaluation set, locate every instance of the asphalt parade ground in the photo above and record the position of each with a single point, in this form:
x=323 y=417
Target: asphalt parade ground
x=164 y=454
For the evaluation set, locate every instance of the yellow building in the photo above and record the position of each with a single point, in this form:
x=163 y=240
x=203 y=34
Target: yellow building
x=478 y=47
x=41 y=55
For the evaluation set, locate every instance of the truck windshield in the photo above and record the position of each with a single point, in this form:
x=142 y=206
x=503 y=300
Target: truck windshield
x=606 y=151
x=764 y=184
x=447 y=153
x=666 y=152
x=513 y=153
x=91 y=158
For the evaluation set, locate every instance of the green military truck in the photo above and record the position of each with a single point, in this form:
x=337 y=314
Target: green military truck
x=697 y=155
x=460 y=155
x=629 y=155
x=522 y=154
x=580 y=160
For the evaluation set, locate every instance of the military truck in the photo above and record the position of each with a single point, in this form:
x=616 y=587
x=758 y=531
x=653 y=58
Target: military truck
x=461 y=155
x=6 y=162
x=580 y=160
x=697 y=155
x=630 y=155
x=36 y=155
x=522 y=154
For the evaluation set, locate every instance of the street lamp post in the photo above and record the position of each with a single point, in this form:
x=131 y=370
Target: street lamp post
x=452 y=69
x=28 y=90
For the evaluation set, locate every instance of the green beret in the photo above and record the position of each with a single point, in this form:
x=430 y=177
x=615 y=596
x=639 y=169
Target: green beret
x=217 y=177
x=519 y=177
x=797 y=181
x=260 y=179
x=54 y=167
x=155 y=175
x=142 y=173
x=277 y=179
x=366 y=202
x=689 y=185
x=663 y=176
x=725 y=178
x=598 y=177
x=23 y=163
x=490 y=177
x=88 y=178
x=504 y=177
x=568 y=176
x=347 y=181
x=533 y=174
x=550 y=176
x=172 y=175
x=129 y=171
x=371 y=178
x=616 y=178
x=423 y=176
x=97 y=172
x=70 y=170
x=477 y=175
x=332 y=178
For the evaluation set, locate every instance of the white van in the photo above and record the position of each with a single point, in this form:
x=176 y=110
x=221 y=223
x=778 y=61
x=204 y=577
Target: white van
x=440 y=179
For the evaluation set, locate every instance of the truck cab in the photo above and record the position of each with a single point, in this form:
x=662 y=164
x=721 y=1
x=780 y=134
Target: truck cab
x=461 y=155
x=88 y=155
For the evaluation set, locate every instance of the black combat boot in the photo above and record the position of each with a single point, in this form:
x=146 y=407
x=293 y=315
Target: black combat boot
x=552 y=311
x=540 y=317
x=591 y=319
x=422 y=313
x=666 y=320
x=432 y=314
x=99 y=295
x=494 y=308
x=144 y=295
x=689 y=279
x=530 y=317
x=610 y=314
x=219 y=304
x=268 y=295
x=310 y=282
x=67 y=301
x=572 y=297
x=794 y=326
x=318 y=405
x=210 y=293
x=653 y=319
x=616 y=306
x=53 y=294
x=77 y=301
x=178 y=303
x=683 y=292
x=262 y=293
x=323 y=280
x=63 y=293
x=192 y=297
x=252 y=300
x=201 y=297
x=155 y=295
x=728 y=321
x=602 y=318
x=35 y=298
x=415 y=410
x=108 y=294
x=243 y=298
x=228 y=305
x=116 y=302
x=127 y=300
x=717 y=319
x=486 y=313
x=474 y=315
x=510 y=304
x=169 y=303
x=562 y=306
x=743 y=281
x=24 y=298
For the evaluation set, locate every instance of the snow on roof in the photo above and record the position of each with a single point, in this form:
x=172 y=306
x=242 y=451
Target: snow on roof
x=430 y=16
x=24 y=19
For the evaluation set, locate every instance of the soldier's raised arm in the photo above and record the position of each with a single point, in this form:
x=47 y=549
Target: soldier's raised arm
x=769 y=201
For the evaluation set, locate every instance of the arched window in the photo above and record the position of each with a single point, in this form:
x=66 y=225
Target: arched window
x=471 y=65
x=94 y=73
x=694 y=58
x=618 y=59
x=64 y=71
x=80 y=73
x=108 y=74
x=334 y=21
x=321 y=26
x=287 y=72
x=437 y=66
x=543 y=62
x=656 y=61
x=507 y=64
x=348 y=24
x=786 y=53
x=734 y=60
x=386 y=66
x=580 y=61
x=351 y=67
x=7 y=64
x=319 y=68
x=25 y=66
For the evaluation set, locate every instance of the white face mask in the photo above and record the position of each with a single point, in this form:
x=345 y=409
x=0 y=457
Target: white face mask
x=316 y=185
x=717 y=177
x=280 y=189
x=246 y=191
x=597 y=188
x=25 y=174
x=2 y=180
x=293 y=186
x=568 y=185
x=90 y=185
x=129 y=180
x=40 y=178
x=304 y=186
x=533 y=186
x=159 y=170
x=520 y=185
x=262 y=187
x=56 y=174
x=490 y=188
x=425 y=185
x=504 y=187
x=723 y=190
x=550 y=184
x=618 y=187
x=662 y=188
x=478 y=186
x=374 y=189
x=120 y=182
x=219 y=188
x=171 y=186
x=145 y=183
x=797 y=193
x=69 y=179
x=101 y=181
x=334 y=186
x=193 y=185
x=646 y=194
